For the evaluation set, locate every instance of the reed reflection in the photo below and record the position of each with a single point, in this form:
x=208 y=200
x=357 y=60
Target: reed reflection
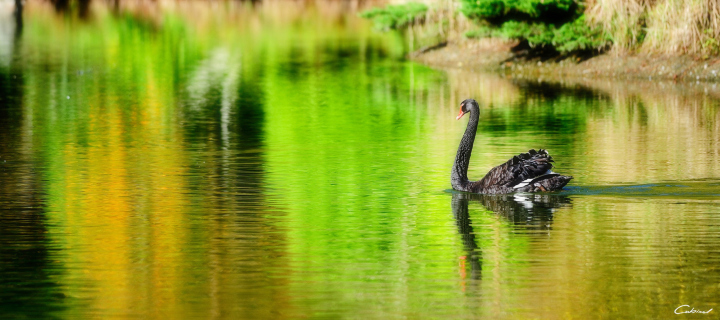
x=242 y=248
x=11 y=27
x=18 y=14
x=64 y=7
x=28 y=265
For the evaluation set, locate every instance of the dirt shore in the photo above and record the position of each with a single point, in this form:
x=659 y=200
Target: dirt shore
x=495 y=55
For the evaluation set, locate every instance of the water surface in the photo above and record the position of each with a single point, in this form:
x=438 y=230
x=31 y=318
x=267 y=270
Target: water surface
x=230 y=161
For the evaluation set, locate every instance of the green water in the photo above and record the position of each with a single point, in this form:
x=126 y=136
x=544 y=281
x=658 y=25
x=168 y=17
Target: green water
x=223 y=161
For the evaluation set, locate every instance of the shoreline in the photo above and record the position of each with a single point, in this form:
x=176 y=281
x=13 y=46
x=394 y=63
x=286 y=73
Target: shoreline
x=494 y=55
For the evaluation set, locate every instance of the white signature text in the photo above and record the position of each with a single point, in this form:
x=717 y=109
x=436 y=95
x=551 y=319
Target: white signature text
x=692 y=310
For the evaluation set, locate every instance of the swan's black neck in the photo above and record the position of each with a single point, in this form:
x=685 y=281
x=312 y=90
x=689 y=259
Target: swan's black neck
x=458 y=178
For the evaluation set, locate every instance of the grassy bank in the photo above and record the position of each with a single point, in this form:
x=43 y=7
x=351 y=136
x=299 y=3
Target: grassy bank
x=567 y=27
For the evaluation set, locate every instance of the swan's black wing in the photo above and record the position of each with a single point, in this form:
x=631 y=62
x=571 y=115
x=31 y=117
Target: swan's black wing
x=520 y=169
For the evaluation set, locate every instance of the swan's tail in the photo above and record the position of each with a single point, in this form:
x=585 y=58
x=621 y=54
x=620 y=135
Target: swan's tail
x=548 y=182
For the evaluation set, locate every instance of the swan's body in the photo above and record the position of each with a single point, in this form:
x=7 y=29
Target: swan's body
x=526 y=172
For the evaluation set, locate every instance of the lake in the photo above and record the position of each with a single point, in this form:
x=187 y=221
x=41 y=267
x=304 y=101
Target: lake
x=285 y=160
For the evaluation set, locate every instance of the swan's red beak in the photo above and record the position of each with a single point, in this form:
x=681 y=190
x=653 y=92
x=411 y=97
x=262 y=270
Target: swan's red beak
x=460 y=115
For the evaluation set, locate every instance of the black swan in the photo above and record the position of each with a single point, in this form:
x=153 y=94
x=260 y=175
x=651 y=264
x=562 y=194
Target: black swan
x=526 y=172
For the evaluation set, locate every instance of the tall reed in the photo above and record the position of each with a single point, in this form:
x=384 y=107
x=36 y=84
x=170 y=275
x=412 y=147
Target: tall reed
x=623 y=19
x=660 y=26
x=684 y=26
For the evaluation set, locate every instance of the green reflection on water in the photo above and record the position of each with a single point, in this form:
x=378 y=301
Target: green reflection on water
x=273 y=162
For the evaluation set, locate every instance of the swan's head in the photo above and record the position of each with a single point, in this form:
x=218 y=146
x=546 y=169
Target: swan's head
x=467 y=106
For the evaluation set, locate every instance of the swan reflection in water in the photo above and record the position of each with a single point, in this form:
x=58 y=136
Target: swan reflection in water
x=533 y=211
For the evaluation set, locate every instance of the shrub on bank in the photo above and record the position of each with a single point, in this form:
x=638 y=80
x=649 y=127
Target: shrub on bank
x=396 y=16
x=546 y=24
x=500 y=11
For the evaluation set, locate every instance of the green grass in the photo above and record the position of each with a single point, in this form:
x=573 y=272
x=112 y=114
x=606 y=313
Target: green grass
x=483 y=31
x=395 y=17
